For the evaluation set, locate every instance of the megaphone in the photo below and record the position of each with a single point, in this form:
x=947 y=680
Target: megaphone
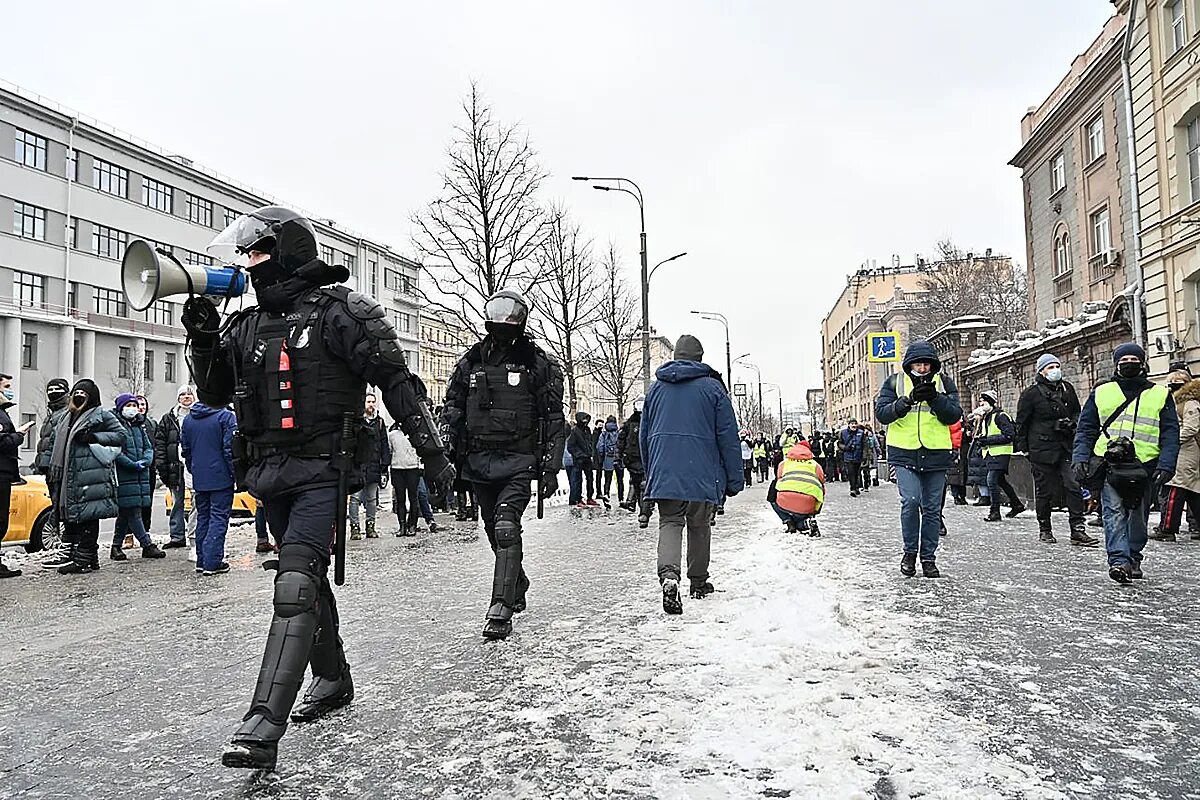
x=149 y=274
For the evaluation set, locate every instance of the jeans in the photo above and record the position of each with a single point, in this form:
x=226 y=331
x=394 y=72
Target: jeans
x=920 y=509
x=997 y=481
x=1124 y=528
x=212 y=523
x=785 y=516
x=129 y=520
x=575 y=477
x=260 y=523
x=368 y=498
x=423 y=499
x=1050 y=480
x=178 y=521
x=673 y=516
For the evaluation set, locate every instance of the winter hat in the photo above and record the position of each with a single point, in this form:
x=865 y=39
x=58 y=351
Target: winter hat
x=990 y=396
x=1045 y=360
x=57 y=387
x=1129 y=349
x=688 y=348
x=185 y=389
x=124 y=399
x=209 y=399
x=1178 y=376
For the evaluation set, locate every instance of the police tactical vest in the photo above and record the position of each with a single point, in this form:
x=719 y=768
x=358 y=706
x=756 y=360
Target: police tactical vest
x=502 y=409
x=294 y=391
x=994 y=430
x=801 y=477
x=1139 y=421
x=920 y=427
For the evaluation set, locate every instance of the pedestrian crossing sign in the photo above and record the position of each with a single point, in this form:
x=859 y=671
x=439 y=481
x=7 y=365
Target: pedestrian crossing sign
x=883 y=347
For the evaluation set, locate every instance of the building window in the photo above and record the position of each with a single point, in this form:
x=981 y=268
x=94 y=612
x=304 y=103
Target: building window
x=29 y=221
x=71 y=169
x=373 y=277
x=1193 y=158
x=73 y=296
x=1062 y=255
x=148 y=366
x=108 y=242
x=160 y=313
x=190 y=257
x=30 y=441
x=327 y=254
x=110 y=178
x=352 y=265
x=199 y=211
x=169 y=368
x=1101 y=235
x=1058 y=173
x=391 y=279
x=157 y=195
x=31 y=149
x=110 y=302
x=123 y=356
x=29 y=290
x=230 y=217
x=1178 y=20
x=72 y=239
x=404 y=322
x=29 y=347
x=1095 y=138
x=76 y=356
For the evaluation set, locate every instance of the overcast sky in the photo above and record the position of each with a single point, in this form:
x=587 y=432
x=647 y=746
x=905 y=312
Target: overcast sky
x=781 y=144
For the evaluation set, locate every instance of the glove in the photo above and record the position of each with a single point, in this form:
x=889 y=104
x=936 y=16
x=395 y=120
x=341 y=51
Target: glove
x=1161 y=476
x=140 y=464
x=1080 y=471
x=903 y=405
x=200 y=318
x=547 y=485
x=923 y=392
x=439 y=473
x=731 y=492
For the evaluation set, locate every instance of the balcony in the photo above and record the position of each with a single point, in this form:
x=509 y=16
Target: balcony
x=59 y=314
x=1063 y=285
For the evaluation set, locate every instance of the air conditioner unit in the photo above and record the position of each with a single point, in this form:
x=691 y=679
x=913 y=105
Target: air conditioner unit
x=1164 y=342
x=1112 y=258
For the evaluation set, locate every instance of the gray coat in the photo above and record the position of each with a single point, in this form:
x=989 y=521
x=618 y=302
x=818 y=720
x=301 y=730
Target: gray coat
x=87 y=488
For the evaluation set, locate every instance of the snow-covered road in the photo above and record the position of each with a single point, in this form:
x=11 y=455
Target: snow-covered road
x=816 y=671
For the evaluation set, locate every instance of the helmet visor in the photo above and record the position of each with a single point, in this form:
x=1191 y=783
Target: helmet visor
x=245 y=231
x=504 y=309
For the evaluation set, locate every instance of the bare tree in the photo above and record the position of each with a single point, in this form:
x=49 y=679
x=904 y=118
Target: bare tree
x=567 y=301
x=615 y=355
x=482 y=234
x=961 y=283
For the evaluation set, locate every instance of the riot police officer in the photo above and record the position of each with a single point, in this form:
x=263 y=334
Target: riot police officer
x=296 y=367
x=504 y=412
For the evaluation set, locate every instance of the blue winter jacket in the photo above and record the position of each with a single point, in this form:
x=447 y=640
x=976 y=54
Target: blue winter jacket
x=207 y=444
x=689 y=436
x=606 y=448
x=1088 y=429
x=134 y=486
x=853 y=444
x=945 y=407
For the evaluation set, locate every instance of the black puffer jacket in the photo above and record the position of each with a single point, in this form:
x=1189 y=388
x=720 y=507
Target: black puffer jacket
x=1039 y=430
x=166 y=449
x=10 y=445
x=580 y=445
x=54 y=412
x=629 y=450
x=379 y=457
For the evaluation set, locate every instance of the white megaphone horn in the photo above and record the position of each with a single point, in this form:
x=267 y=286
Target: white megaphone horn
x=149 y=274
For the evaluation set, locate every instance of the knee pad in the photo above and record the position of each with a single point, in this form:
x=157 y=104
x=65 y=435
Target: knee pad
x=295 y=593
x=508 y=527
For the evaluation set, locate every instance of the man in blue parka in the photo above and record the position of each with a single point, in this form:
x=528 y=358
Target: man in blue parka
x=689 y=443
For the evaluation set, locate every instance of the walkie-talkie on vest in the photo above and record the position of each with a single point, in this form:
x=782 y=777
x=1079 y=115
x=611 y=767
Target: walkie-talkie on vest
x=345 y=463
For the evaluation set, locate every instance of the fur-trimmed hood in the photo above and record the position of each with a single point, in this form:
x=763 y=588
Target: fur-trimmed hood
x=1189 y=391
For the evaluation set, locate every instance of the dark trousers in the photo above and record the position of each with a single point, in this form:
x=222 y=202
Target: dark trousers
x=608 y=477
x=5 y=500
x=748 y=471
x=764 y=470
x=85 y=535
x=854 y=475
x=997 y=481
x=212 y=523
x=129 y=521
x=1172 y=510
x=406 y=496
x=506 y=499
x=636 y=479
x=1050 y=481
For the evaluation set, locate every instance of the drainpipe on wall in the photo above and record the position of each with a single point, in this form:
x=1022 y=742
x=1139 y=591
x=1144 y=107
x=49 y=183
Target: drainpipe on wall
x=67 y=229
x=1139 y=323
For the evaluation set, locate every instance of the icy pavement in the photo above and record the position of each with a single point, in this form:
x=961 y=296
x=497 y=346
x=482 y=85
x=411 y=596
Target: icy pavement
x=816 y=671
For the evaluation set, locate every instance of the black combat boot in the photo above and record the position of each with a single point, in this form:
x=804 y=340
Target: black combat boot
x=1120 y=573
x=323 y=696
x=153 y=551
x=115 y=553
x=499 y=622
x=672 y=603
x=929 y=569
x=1080 y=538
x=701 y=591
x=994 y=516
x=908 y=565
x=1047 y=536
x=1015 y=510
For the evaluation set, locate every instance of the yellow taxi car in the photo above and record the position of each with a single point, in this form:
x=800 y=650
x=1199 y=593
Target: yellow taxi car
x=244 y=503
x=31 y=520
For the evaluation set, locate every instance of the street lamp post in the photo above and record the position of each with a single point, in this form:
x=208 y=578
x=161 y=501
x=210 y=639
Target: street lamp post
x=742 y=360
x=713 y=315
x=664 y=261
x=636 y=194
x=779 y=391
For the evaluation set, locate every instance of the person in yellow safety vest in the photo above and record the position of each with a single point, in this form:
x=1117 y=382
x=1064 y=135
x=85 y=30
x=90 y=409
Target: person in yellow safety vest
x=919 y=404
x=999 y=432
x=762 y=460
x=1126 y=446
x=798 y=491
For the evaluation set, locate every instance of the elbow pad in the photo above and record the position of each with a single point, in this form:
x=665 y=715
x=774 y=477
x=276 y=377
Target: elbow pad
x=422 y=431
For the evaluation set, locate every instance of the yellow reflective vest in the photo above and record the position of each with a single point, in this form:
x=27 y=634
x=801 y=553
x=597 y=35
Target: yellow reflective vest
x=801 y=477
x=1139 y=421
x=920 y=427
x=994 y=430
x=760 y=451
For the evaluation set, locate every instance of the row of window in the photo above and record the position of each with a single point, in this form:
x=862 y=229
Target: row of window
x=1093 y=133
x=1101 y=242
x=29 y=290
x=125 y=361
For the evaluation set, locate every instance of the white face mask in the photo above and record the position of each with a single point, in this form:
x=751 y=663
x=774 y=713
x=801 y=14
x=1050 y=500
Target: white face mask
x=981 y=410
x=1054 y=375
x=129 y=412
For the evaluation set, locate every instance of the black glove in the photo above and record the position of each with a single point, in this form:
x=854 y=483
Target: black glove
x=923 y=392
x=1080 y=470
x=200 y=318
x=439 y=473
x=903 y=406
x=1161 y=476
x=548 y=485
x=731 y=492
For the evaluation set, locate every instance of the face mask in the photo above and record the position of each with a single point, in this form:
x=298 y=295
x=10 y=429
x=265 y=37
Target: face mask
x=78 y=400
x=981 y=410
x=1130 y=370
x=266 y=273
x=8 y=394
x=1054 y=375
x=129 y=412
x=504 y=332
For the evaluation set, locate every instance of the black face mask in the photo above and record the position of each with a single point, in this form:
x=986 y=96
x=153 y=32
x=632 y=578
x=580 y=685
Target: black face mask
x=266 y=273
x=504 y=332
x=1129 y=370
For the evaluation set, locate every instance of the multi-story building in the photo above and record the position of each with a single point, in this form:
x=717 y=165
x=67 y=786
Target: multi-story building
x=599 y=402
x=77 y=191
x=1074 y=162
x=444 y=339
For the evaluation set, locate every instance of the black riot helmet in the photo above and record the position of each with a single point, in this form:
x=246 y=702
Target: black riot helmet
x=505 y=315
x=286 y=236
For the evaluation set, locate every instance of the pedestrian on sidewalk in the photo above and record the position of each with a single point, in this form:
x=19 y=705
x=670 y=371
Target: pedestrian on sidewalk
x=1183 y=490
x=134 y=491
x=871 y=456
x=207 y=444
x=999 y=433
x=11 y=439
x=798 y=491
x=689 y=441
x=629 y=454
x=583 y=456
x=598 y=464
x=82 y=481
x=606 y=454
x=747 y=446
x=374 y=469
x=406 y=477
x=762 y=460
x=152 y=429
x=1047 y=414
x=956 y=477
x=853 y=442
x=58 y=393
x=168 y=463
x=919 y=405
x=1126 y=446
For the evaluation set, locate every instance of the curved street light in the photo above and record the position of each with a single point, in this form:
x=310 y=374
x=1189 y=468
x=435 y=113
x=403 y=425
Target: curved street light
x=719 y=317
x=664 y=261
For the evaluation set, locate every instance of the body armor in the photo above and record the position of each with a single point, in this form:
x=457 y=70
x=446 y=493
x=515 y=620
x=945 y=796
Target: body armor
x=502 y=409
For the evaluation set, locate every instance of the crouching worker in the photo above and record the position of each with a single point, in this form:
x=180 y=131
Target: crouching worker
x=798 y=491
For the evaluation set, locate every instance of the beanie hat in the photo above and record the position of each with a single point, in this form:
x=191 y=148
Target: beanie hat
x=688 y=348
x=124 y=399
x=184 y=389
x=990 y=396
x=1045 y=360
x=1129 y=349
x=57 y=387
x=1178 y=376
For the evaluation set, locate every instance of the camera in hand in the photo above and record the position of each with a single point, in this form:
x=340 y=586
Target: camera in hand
x=1120 y=451
x=1064 y=425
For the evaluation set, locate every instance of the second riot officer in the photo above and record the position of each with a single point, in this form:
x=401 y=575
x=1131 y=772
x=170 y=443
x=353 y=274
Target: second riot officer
x=504 y=411
x=296 y=367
